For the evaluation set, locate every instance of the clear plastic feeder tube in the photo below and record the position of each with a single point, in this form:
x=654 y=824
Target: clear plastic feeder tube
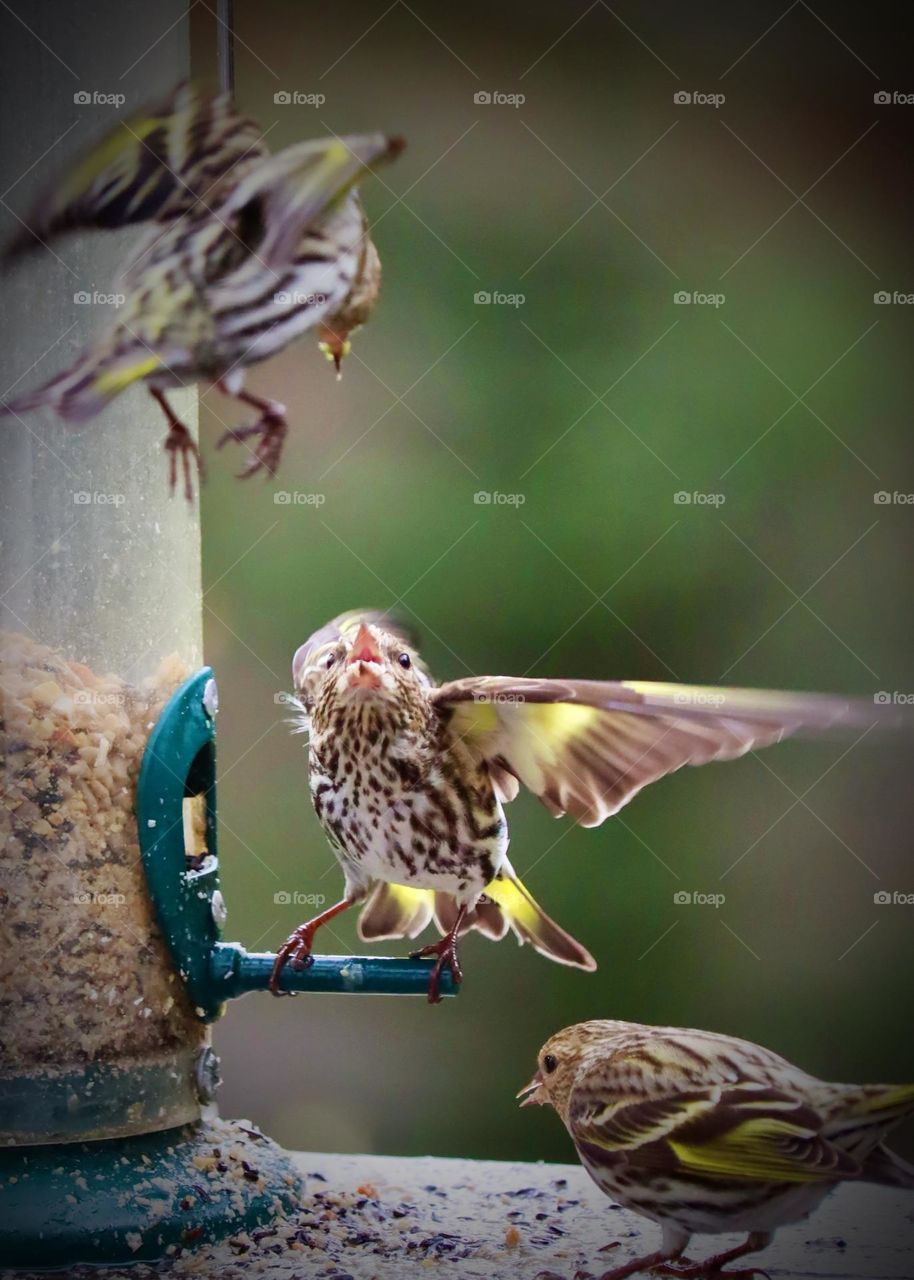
x=100 y=619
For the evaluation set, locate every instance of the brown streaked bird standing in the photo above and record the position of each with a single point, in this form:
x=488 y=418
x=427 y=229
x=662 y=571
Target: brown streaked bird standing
x=247 y=251
x=704 y=1133
x=408 y=778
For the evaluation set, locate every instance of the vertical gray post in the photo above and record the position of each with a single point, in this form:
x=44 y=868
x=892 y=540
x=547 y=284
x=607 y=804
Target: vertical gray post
x=100 y=611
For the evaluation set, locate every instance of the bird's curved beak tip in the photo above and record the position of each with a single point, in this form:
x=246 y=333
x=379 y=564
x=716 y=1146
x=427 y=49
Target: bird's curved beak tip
x=364 y=661
x=531 y=1092
x=364 y=647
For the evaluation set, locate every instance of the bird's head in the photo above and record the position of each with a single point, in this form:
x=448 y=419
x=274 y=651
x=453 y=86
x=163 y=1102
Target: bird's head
x=560 y=1062
x=360 y=658
x=335 y=332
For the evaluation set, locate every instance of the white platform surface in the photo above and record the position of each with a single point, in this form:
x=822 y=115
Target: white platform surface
x=390 y=1218
x=859 y=1233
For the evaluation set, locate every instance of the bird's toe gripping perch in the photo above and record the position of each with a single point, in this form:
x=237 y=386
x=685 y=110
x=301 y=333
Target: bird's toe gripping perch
x=176 y=820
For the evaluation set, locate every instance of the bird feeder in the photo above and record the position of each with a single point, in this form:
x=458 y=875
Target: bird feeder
x=113 y=963
x=103 y=1093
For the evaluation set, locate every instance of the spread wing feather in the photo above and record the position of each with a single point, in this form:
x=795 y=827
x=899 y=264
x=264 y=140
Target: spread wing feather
x=586 y=747
x=153 y=167
x=294 y=190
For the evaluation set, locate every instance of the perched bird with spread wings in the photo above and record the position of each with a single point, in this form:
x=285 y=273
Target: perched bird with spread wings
x=246 y=252
x=408 y=778
x=705 y=1133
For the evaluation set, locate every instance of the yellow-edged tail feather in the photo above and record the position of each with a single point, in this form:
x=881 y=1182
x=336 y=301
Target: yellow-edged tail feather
x=399 y=911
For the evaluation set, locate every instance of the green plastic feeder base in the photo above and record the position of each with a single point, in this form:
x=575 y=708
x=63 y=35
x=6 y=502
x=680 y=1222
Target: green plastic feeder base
x=139 y=1199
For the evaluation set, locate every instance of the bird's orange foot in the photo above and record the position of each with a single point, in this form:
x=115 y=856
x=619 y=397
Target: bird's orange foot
x=445 y=949
x=297 y=951
x=709 y=1269
x=270 y=430
x=706 y=1271
x=179 y=441
x=638 y=1266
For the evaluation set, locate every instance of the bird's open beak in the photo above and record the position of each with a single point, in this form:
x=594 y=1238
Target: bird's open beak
x=365 y=661
x=531 y=1093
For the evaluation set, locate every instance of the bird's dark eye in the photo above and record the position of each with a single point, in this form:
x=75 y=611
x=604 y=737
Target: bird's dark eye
x=405 y=661
x=550 y=1062
x=329 y=660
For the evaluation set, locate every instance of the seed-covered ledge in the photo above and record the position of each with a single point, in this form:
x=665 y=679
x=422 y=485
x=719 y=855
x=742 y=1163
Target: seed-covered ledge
x=384 y=1218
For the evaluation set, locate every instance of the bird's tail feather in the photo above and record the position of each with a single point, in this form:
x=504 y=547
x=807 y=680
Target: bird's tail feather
x=862 y=1118
x=873 y=1106
x=396 y=911
x=80 y=392
x=531 y=924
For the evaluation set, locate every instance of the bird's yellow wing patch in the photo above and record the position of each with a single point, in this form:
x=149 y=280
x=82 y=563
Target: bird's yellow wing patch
x=764 y=1149
x=114 y=380
x=157 y=165
x=586 y=747
x=561 y=722
x=113 y=157
x=626 y=1124
x=473 y=720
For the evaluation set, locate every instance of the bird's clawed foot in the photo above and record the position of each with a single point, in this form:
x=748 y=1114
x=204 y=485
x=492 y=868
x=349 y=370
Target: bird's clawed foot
x=270 y=429
x=636 y=1267
x=297 y=951
x=666 y=1264
x=445 y=949
x=297 y=947
x=179 y=441
x=710 y=1269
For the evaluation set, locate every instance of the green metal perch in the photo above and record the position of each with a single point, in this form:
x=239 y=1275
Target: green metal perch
x=236 y=971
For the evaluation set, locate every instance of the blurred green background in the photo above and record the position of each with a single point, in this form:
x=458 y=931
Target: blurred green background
x=597 y=399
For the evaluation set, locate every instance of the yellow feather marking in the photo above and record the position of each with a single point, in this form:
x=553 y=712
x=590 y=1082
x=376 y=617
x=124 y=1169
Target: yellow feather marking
x=104 y=155
x=517 y=903
x=560 y=722
x=408 y=898
x=144 y=192
x=725 y=701
x=395 y=911
x=337 y=155
x=634 y=1135
x=476 y=718
x=118 y=379
x=901 y=1095
x=514 y=899
x=749 y=1152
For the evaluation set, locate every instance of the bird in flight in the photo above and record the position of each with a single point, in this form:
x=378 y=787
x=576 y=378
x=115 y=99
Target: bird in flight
x=408 y=778
x=246 y=251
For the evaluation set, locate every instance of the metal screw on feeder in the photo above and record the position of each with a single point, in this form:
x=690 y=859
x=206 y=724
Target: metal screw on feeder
x=206 y=1074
